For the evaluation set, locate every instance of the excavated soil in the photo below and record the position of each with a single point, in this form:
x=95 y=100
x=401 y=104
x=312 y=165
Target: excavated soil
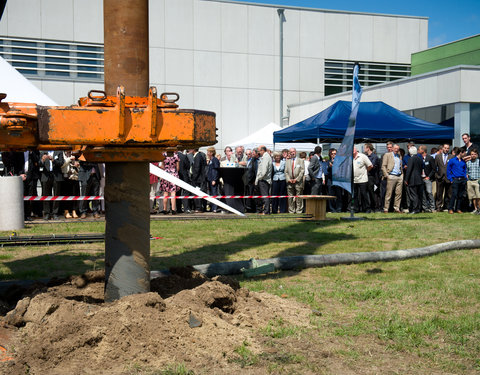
x=65 y=327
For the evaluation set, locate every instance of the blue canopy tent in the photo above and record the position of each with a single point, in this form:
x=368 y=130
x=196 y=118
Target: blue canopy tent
x=376 y=122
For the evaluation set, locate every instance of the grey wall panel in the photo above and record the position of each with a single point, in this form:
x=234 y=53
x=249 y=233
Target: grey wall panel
x=207 y=26
x=156 y=23
x=235 y=28
x=179 y=67
x=179 y=24
x=207 y=68
x=24 y=19
x=88 y=21
x=57 y=19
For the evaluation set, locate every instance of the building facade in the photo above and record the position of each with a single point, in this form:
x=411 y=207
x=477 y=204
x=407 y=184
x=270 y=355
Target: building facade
x=221 y=56
x=443 y=89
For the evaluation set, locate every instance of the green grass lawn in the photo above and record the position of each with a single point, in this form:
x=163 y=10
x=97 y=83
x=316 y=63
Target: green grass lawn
x=422 y=315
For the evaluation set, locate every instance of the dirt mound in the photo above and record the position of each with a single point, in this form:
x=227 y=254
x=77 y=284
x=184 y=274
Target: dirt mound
x=187 y=318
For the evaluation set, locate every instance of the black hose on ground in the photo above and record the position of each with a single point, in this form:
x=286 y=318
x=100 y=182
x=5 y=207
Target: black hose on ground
x=306 y=261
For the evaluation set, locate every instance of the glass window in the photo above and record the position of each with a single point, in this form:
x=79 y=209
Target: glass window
x=338 y=72
x=60 y=59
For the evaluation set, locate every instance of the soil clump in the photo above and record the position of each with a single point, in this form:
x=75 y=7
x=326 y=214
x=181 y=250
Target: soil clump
x=65 y=327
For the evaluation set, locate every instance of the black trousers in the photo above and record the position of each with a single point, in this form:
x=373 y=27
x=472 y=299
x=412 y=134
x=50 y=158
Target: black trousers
x=444 y=192
x=373 y=195
x=51 y=187
x=251 y=204
x=71 y=187
x=458 y=188
x=201 y=204
x=361 y=201
x=317 y=184
x=279 y=187
x=264 y=187
x=29 y=188
x=416 y=194
x=335 y=205
x=91 y=187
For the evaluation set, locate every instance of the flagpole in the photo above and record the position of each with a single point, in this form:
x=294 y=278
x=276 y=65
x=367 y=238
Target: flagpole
x=352 y=202
x=343 y=164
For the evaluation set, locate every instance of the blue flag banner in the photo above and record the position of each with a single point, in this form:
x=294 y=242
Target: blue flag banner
x=343 y=162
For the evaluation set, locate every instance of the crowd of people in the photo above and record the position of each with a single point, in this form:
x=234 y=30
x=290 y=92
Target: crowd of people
x=412 y=180
x=60 y=173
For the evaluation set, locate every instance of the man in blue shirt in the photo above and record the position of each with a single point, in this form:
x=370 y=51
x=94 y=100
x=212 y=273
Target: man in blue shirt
x=457 y=175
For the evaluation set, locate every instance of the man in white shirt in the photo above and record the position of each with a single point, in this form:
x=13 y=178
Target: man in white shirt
x=361 y=166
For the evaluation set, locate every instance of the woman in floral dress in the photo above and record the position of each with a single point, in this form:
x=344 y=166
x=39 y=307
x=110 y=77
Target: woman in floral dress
x=170 y=165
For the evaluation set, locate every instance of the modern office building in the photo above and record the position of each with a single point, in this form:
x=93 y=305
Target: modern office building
x=222 y=56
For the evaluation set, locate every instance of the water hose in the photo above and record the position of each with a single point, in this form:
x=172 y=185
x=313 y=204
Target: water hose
x=306 y=261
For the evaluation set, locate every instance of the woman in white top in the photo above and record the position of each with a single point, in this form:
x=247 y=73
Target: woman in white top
x=229 y=160
x=279 y=184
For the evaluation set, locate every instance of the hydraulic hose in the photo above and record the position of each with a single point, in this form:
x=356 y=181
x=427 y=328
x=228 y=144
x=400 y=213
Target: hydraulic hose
x=306 y=261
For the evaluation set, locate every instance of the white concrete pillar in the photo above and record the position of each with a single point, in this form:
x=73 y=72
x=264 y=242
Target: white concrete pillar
x=11 y=203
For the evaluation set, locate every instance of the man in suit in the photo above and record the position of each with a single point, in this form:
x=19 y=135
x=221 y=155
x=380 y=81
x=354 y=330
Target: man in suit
x=428 y=202
x=251 y=204
x=184 y=175
x=51 y=178
x=317 y=171
x=373 y=178
x=30 y=174
x=199 y=179
x=25 y=165
x=444 y=187
x=89 y=177
x=392 y=173
x=264 y=177
x=413 y=178
x=294 y=171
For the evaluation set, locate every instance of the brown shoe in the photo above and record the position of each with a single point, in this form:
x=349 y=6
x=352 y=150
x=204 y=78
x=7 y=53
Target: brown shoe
x=96 y=215
x=450 y=211
x=459 y=212
x=83 y=216
x=74 y=214
x=67 y=215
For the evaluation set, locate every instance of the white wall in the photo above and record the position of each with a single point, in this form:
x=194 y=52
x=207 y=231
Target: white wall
x=223 y=56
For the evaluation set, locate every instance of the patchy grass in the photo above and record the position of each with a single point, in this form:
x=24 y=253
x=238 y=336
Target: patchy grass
x=244 y=356
x=415 y=316
x=277 y=328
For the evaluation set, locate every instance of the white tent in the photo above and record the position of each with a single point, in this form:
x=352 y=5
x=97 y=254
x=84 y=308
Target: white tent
x=264 y=136
x=18 y=88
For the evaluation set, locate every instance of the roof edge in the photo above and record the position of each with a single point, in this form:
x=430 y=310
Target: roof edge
x=315 y=9
x=391 y=83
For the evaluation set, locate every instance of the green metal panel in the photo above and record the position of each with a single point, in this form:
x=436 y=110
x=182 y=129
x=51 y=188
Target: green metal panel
x=462 y=52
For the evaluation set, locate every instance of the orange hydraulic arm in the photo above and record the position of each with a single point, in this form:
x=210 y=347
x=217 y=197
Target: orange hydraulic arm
x=108 y=128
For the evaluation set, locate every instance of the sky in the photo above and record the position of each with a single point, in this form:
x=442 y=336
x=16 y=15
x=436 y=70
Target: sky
x=449 y=20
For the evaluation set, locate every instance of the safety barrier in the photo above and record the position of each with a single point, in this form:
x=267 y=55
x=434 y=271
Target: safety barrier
x=98 y=197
